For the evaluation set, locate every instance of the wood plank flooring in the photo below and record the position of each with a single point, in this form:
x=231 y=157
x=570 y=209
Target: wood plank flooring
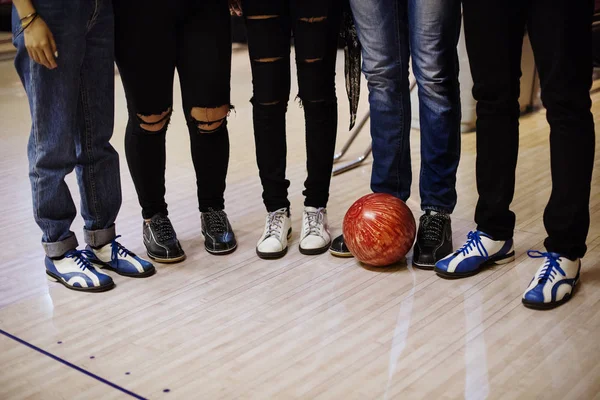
x=237 y=327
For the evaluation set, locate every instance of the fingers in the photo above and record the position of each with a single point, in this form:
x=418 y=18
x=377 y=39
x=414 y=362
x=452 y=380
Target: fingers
x=235 y=7
x=41 y=58
x=33 y=53
x=238 y=9
x=40 y=43
x=49 y=56
x=43 y=55
x=53 y=45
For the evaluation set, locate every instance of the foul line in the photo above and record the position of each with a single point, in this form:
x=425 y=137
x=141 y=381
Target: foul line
x=75 y=367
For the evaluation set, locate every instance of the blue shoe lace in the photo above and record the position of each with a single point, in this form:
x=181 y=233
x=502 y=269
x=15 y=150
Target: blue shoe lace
x=551 y=266
x=473 y=241
x=119 y=250
x=81 y=258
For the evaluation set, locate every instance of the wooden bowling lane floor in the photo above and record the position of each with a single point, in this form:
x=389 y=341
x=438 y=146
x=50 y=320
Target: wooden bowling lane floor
x=237 y=327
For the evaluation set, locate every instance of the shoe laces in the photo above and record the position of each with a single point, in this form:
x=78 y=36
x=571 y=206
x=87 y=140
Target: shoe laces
x=314 y=221
x=216 y=220
x=473 y=242
x=162 y=228
x=275 y=223
x=433 y=227
x=117 y=249
x=81 y=258
x=551 y=266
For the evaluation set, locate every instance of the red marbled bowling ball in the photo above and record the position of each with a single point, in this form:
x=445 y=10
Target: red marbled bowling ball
x=379 y=229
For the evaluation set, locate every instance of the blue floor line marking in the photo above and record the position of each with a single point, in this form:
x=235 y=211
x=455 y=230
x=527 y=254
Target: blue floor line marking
x=70 y=365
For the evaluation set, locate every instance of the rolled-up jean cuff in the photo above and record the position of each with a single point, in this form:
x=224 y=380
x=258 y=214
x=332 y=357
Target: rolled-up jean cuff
x=57 y=249
x=436 y=209
x=100 y=237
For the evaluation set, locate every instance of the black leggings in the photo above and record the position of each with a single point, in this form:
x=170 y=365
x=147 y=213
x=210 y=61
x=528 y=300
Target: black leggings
x=153 y=38
x=315 y=25
x=560 y=33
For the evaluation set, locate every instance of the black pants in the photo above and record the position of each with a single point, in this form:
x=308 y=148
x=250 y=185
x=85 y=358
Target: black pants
x=560 y=33
x=596 y=35
x=153 y=38
x=315 y=26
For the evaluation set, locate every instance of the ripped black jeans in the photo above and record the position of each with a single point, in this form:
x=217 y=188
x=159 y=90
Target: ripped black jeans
x=153 y=38
x=315 y=26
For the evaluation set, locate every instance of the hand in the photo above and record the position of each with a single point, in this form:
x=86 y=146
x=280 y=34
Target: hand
x=40 y=43
x=235 y=7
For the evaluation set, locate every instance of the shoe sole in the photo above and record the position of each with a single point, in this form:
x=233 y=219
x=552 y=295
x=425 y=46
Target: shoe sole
x=275 y=255
x=217 y=252
x=107 y=266
x=492 y=261
x=95 y=289
x=545 y=306
x=170 y=260
x=549 y=306
x=426 y=267
x=272 y=256
x=220 y=252
x=340 y=254
x=314 y=252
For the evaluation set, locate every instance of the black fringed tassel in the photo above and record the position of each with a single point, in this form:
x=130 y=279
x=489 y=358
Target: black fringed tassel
x=352 y=66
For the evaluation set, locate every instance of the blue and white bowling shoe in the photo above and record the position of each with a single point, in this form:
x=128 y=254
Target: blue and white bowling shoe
x=479 y=251
x=76 y=272
x=115 y=257
x=553 y=283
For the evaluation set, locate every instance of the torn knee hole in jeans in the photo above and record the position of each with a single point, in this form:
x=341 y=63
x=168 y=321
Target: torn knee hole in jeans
x=267 y=60
x=303 y=102
x=312 y=20
x=257 y=17
x=255 y=102
x=312 y=60
x=210 y=119
x=154 y=123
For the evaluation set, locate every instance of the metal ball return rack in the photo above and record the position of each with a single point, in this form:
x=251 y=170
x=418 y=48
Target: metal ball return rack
x=353 y=134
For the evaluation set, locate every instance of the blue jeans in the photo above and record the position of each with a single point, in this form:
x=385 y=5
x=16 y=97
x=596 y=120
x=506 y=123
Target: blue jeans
x=72 y=114
x=428 y=30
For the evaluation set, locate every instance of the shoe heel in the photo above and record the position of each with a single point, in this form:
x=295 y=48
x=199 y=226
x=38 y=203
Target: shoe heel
x=505 y=259
x=51 y=278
